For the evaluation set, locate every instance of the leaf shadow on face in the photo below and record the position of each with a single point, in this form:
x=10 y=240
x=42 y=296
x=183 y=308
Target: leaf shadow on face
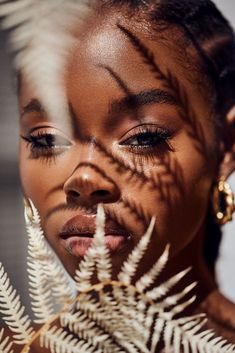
x=156 y=181
x=171 y=82
x=166 y=182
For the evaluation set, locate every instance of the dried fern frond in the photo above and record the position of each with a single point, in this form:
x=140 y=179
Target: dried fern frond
x=179 y=338
x=40 y=293
x=97 y=255
x=128 y=313
x=40 y=252
x=130 y=266
x=41 y=35
x=114 y=316
x=103 y=261
x=147 y=279
x=13 y=311
x=164 y=288
x=49 y=284
x=59 y=341
x=5 y=344
x=89 y=331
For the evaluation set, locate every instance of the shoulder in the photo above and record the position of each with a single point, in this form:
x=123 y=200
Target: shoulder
x=221 y=315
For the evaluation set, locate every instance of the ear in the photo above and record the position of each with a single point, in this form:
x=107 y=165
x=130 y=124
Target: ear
x=227 y=165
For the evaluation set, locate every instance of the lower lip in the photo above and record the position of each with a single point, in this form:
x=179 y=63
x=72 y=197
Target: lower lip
x=78 y=246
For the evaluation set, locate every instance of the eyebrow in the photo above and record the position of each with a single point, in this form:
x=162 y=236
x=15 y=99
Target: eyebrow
x=33 y=106
x=132 y=101
x=146 y=97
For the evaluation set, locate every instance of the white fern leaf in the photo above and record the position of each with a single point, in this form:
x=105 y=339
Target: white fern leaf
x=13 y=311
x=147 y=279
x=39 y=251
x=133 y=313
x=110 y=305
x=5 y=344
x=97 y=255
x=90 y=332
x=193 y=323
x=111 y=316
x=59 y=341
x=149 y=322
x=91 y=307
x=116 y=323
x=164 y=288
x=179 y=308
x=39 y=289
x=40 y=293
x=106 y=315
x=186 y=347
x=47 y=280
x=41 y=37
x=207 y=342
x=134 y=309
x=196 y=327
x=174 y=299
x=86 y=270
x=127 y=324
x=177 y=337
x=132 y=321
x=168 y=334
x=129 y=267
x=131 y=346
x=103 y=261
x=157 y=332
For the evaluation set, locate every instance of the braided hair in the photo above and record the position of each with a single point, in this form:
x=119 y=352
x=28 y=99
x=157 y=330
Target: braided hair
x=213 y=38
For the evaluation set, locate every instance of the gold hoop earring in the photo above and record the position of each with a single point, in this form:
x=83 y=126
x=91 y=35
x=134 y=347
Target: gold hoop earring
x=223 y=202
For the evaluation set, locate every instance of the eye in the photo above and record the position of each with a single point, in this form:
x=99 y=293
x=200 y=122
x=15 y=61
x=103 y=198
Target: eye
x=145 y=139
x=44 y=144
x=148 y=138
x=49 y=141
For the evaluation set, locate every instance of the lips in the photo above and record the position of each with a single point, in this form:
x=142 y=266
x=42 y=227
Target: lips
x=77 y=235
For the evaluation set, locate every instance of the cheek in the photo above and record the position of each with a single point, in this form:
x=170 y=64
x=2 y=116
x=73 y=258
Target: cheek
x=34 y=177
x=43 y=182
x=41 y=178
x=178 y=199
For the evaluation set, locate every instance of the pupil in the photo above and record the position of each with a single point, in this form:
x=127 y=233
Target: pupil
x=146 y=139
x=50 y=140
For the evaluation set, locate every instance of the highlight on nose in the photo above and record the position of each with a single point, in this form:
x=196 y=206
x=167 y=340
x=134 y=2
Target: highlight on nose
x=90 y=185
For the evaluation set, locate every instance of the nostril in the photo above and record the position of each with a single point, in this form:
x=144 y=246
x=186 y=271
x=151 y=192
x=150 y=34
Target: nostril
x=100 y=193
x=73 y=194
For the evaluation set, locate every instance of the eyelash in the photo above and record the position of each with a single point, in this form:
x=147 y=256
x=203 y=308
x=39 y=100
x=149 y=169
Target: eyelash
x=47 y=150
x=162 y=141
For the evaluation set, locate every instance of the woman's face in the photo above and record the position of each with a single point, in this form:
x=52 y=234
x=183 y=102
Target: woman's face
x=142 y=143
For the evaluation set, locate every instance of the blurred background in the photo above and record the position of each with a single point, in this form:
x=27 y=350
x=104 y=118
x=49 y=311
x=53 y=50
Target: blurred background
x=13 y=243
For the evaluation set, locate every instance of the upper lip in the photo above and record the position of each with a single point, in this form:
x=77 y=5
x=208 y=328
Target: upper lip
x=85 y=225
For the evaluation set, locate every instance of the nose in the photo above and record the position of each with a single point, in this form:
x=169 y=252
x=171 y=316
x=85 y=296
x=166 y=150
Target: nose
x=89 y=185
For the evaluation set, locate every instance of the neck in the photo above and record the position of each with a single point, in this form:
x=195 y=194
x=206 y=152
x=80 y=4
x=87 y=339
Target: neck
x=192 y=257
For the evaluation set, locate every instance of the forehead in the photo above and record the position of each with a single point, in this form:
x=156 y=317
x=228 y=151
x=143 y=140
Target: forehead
x=116 y=38
x=114 y=48
x=135 y=53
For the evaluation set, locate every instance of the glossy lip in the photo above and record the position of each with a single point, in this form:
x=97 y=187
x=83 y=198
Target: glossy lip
x=77 y=235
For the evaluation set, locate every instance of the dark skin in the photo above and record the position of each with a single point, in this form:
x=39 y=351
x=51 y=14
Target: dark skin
x=174 y=169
